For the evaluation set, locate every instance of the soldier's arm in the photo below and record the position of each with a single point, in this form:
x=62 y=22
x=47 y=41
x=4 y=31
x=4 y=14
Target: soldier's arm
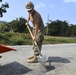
x=36 y=29
x=27 y=23
x=28 y=19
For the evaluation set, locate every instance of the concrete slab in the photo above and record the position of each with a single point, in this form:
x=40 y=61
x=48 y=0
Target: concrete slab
x=61 y=61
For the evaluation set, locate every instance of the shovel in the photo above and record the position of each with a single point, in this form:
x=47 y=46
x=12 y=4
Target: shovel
x=41 y=58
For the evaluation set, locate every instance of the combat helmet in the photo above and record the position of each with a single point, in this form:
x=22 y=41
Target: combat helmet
x=29 y=6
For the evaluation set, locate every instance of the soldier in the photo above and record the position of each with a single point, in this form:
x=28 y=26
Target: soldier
x=38 y=30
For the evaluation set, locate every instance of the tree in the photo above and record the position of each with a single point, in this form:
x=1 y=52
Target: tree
x=72 y=31
x=18 y=25
x=4 y=27
x=3 y=8
x=21 y=25
x=13 y=25
x=58 y=28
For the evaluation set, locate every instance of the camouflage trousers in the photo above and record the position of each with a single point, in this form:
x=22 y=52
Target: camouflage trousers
x=39 y=40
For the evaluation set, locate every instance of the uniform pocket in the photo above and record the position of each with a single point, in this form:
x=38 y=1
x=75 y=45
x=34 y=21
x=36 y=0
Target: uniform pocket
x=39 y=37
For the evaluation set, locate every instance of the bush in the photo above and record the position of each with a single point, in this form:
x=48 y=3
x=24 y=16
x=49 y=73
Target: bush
x=15 y=39
x=25 y=39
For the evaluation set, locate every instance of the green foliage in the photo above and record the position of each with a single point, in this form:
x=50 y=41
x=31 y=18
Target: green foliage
x=58 y=28
x=21 y=39
x=55 y=28
x=18 y=25
x=4 y=27
x=61 y=28
x=13 y=25
x=58 y=40
x=72 y=31
x=5 y=38
x=25 y=39
x=15 y=39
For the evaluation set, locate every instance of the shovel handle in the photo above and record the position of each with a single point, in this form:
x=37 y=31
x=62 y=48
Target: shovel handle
x=33 y=40
x=31 y=34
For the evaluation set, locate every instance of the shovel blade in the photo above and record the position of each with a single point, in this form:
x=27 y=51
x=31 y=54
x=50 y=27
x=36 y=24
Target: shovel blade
x=42 y=59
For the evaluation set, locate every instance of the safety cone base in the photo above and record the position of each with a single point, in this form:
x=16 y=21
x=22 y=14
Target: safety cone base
x=4 y=48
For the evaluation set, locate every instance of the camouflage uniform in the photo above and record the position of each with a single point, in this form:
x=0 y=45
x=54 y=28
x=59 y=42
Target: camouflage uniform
x=36 y=18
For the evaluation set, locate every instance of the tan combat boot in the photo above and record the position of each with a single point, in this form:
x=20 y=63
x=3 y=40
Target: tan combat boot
x=33 y=60
x=30 y=57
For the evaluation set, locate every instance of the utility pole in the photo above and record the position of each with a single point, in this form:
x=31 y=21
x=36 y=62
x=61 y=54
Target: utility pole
x=3 y=8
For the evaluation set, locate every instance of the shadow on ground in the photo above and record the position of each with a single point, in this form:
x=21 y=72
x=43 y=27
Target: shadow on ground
x=13 y=68
x=49 y=68
x=58 y=59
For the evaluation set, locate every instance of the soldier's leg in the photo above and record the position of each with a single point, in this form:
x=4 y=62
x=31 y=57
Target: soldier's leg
x=39 y=44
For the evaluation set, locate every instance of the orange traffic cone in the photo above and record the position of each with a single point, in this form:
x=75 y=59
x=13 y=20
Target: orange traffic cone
x=4 y=48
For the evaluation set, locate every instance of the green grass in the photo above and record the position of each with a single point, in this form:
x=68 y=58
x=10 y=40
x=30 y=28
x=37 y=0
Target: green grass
x=25 y=39
x=58 y=40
